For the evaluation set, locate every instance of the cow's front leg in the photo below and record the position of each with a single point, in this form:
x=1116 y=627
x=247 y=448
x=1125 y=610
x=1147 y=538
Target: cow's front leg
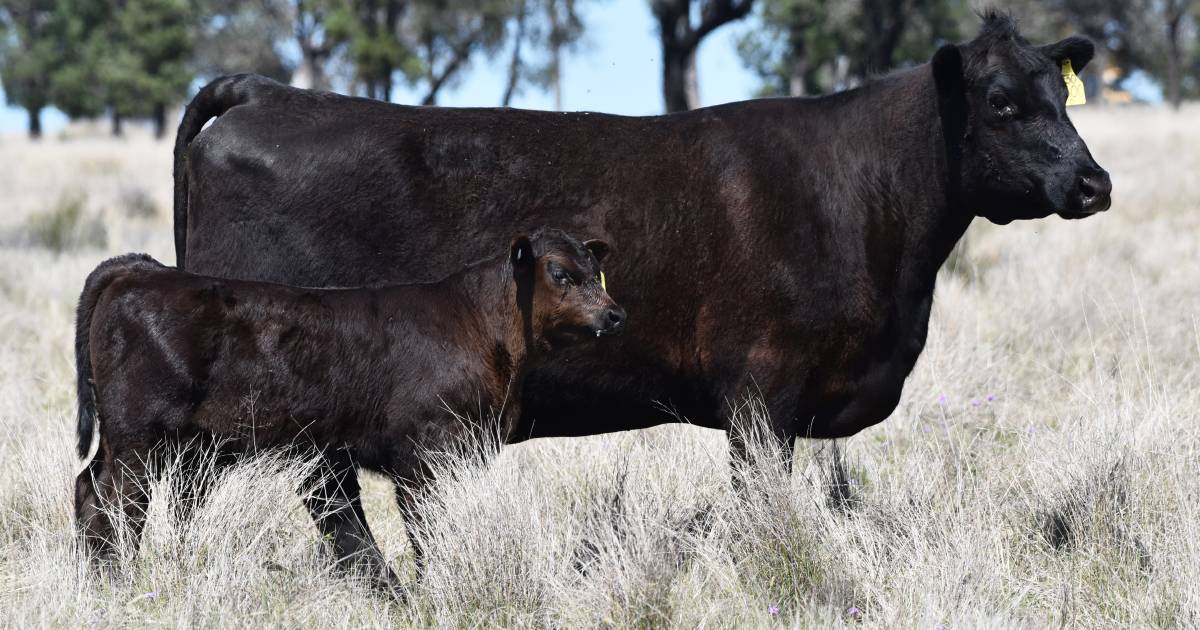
x=336 y=506
x=761 y=436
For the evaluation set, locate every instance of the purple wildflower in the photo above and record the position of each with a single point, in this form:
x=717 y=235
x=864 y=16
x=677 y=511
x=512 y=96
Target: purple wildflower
x=855 y=613
x=975 y=402
x=773 y=611
x=991 y=397
x=941 y=399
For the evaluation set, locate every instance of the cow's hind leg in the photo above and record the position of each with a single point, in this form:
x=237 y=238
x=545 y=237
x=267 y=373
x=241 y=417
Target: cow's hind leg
x=111 y=497
x=336 y=506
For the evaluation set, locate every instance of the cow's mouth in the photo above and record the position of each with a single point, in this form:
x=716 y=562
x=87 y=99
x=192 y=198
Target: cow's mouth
x=1086 y=206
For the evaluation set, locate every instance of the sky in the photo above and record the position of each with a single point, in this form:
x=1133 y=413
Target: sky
x=617 y=69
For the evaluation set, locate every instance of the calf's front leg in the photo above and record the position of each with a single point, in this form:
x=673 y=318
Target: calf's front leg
x=336 y=506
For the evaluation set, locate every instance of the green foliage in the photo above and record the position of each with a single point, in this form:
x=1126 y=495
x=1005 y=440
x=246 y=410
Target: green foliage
x=144 y=54
x=450 y=32
x=235 y=37
x=28 y=53
x=73 y=85
x=817 y=46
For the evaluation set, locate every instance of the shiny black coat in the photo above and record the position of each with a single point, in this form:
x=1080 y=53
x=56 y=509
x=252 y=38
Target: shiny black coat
x=783 y=247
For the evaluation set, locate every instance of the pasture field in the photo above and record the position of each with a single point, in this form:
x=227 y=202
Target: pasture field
x=1042 y=469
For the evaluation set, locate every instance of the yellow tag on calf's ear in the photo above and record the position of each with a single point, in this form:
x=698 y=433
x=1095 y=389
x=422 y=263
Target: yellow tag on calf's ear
x=603 y=285
x=1075 y=92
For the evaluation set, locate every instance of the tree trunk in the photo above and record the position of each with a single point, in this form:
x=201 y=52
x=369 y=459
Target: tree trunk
x=35 y=122
x=118 y=124
x=680 y=40
x=514 y=63
x=675 y=77
x=796 y=78
x=160 y=121
x=311 y=69
x=1174 y=57
x=691 y=80
x=885 y=24
x=555 y=54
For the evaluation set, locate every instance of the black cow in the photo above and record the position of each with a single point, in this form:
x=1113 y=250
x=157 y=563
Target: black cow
x=785 y=248
x=370 y=376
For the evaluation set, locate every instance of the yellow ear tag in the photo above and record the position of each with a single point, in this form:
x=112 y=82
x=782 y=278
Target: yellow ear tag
x=603 y=285
x=1075 y=92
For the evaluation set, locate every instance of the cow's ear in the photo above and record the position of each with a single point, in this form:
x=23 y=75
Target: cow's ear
x=948 y=70
x=1078 y=49
x=521 y=254
x=598 y=248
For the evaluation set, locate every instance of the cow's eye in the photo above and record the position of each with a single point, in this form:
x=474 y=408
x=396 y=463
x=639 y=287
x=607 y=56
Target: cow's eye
x=1002 y=106
x=561 y=277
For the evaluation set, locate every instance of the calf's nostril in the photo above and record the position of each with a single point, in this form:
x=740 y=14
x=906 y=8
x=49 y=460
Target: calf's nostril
x=615 y=317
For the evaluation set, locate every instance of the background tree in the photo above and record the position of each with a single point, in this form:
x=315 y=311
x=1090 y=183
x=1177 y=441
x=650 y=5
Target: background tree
x=309 y=19
x=375 y=44
x=542 y=31
x=144 y=52
x=680 y=39
x=73 y=85
x=29 y=54
x=818 y=46
x=446 y=34
x=235 y=36
x=1179 y=25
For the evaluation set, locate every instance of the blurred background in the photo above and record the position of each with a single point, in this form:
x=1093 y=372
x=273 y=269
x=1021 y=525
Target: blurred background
x=116 y=63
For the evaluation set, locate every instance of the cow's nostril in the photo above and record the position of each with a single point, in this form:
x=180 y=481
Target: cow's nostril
x=1087 y=187
x=1094 y=188
x=615 y=316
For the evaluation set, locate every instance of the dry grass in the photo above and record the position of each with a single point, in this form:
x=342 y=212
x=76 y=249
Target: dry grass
x=1041 y=471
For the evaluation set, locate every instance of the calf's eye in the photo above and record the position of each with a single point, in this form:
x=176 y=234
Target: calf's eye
x=1002 y=106
x=561 y=277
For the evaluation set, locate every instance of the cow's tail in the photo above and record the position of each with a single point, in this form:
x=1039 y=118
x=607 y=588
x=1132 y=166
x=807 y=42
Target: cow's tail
x=211 y=101
x=93 y=287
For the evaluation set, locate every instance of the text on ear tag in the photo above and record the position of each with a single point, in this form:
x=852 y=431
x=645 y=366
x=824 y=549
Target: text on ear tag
x=603 y=284
x=1075 y=92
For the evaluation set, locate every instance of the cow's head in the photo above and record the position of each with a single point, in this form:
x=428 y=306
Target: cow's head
x=1013 y=148
x=560 y=288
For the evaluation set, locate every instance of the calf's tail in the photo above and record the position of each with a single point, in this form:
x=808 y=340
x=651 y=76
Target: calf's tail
x=211 y=101
x=93 y=287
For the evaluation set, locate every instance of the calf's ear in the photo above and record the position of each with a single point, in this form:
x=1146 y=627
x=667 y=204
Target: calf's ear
x=598 y=248
x=1078 y=49
x=521 y=254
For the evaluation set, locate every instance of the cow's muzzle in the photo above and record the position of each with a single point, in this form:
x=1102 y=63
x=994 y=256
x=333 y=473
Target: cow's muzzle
x=1092 y=194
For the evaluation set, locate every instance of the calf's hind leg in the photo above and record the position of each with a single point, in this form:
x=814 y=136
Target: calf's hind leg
x=336 y=506
x=111 y=486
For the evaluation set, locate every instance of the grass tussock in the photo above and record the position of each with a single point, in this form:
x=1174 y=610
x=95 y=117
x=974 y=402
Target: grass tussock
x=1041 y=470
x=66 y=226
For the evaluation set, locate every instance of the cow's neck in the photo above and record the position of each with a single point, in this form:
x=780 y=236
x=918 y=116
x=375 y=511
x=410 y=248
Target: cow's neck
x=909 y=129
x=906 y=163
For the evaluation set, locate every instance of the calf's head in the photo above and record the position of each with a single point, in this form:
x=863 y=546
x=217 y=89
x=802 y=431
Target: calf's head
x=559 y=288
x=1012 y=147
